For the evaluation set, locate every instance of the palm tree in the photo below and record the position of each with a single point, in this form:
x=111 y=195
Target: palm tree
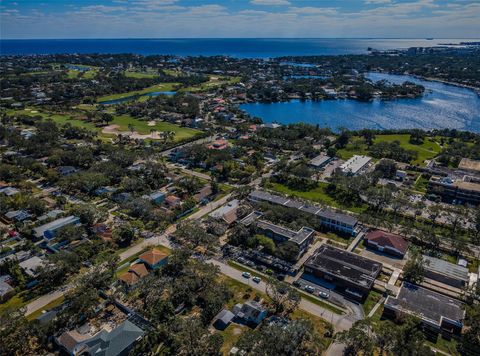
x=131 y=128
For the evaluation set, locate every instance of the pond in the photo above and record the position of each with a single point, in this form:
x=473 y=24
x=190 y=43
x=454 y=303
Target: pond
x=442 y=106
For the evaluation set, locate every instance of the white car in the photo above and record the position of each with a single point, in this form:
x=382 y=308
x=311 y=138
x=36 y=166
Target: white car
x=246 y=275
x=324 y=295
x=256 y=279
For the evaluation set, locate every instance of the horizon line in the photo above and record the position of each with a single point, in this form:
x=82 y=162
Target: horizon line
x=241 y=38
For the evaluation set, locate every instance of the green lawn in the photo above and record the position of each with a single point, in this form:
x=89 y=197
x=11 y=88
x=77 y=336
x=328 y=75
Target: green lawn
x=13 y=303
x=131 y=74
x=371 y=301
x=427 y=150
x=153 y=88
x=141 y=126
x=230 y=336
x=51 y=305
x=318 y=195
x=214 y=81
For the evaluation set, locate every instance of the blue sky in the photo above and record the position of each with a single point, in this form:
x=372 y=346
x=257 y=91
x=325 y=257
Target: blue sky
x=239 y=18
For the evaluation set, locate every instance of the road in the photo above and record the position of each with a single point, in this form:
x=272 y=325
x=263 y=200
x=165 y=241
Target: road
x=339 y=322
x=159 y=239
x=199 y=141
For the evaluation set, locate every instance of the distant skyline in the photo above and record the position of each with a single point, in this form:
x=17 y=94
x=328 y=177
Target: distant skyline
x=24 y=19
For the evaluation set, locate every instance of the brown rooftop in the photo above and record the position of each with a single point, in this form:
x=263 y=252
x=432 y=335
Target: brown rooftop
x=385 y=239
x=153 y=256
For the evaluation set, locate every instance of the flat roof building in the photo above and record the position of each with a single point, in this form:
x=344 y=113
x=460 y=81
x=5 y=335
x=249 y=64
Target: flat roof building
x=456 y=191
x=330 y=219
x=437 y=311
x=302 y=238
x=353 y=274
x=320 y=161
x=470 y=165
x=446 y=272
x=355 y=165
x=48 y=230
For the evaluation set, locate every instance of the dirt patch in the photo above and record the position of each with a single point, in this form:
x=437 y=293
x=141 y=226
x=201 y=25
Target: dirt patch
x=237 y=331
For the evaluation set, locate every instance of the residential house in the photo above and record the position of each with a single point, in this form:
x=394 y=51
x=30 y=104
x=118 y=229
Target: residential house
x=16 y=216
x=156 y=197
x=66 y=170
x=250 y=312
x=218 y=145
x=223 y=319
x=173 y=201
x=116 y=342
x=154 y=258
x=134 y=274
x=203 y=194
x=9 y=191
x=387 y=242
x=226 y=213
x=30 y=266
x=6 y=291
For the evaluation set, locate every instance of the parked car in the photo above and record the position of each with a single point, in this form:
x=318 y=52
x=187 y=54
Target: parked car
x=246 y=275
x=324 y=295
x=256 y=279
x=309 y=289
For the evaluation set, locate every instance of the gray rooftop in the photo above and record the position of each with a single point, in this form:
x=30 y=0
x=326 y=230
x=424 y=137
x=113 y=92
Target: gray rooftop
x=345 y=265
x=320 y=160
x=5 y=288
x=40 y=230
x=225 y=209
x=446 y=268
x=321 y=212
x=297 y=237
x=426 y=304
x=115 y=342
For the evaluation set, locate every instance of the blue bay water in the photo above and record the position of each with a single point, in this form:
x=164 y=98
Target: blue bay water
x=442 y=106
x=235 y=47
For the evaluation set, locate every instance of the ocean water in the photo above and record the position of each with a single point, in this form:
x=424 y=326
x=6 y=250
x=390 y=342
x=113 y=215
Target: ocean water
x=442 y=106
x=242 y=48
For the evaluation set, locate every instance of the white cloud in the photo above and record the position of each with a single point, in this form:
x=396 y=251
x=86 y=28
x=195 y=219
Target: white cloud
x=270 y=2
x=378 y=2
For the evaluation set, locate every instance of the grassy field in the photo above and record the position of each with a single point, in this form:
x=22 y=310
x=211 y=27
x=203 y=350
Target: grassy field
x=13 y=303
x=427 y=150
x=153 y=88
x=318 y=195
x=131 y=74
x=123 y=122
x=142 y=127
x=51 y=305
x=214 y=81
x=369 y=303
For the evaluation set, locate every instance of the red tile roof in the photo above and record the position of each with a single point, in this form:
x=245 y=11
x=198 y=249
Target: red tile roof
x=139 y=269
x=153 y=256
x=383 y=238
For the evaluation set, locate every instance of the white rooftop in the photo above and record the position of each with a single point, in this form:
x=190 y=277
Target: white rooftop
x=355 y=164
